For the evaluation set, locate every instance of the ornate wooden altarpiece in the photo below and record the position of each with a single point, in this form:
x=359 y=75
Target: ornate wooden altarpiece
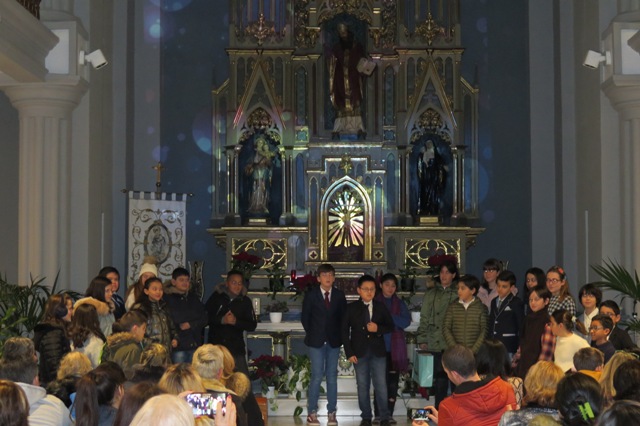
x=291 y=189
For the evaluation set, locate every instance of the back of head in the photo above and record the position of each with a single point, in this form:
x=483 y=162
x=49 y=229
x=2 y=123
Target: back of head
x=164 y=410
x=23 y=371
x=133 y=399
x=179 y=378
x=460 y=359
x=129 y=319
x=579 y=399
x=492 y=359
x=55 y=309
x=155 y=355
x=208 y=361
x=588 y=359
x=620 y=413
x=606 y=379
x=14 y=407
x=228 y=362
x=18 y=348
x=74 y=364
x=626 y=380
x=541 y=383
x=94 y=389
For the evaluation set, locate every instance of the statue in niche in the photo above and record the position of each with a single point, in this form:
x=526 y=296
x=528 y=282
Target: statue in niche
x=347 y=66
x=259 y=169
x=432 y=178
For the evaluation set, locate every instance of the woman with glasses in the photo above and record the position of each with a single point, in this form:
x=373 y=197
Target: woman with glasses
x=559 y=287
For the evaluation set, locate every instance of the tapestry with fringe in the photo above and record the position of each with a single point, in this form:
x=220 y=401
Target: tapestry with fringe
x=157 y=227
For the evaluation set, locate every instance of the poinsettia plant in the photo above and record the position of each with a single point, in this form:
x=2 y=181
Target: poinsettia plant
x=302 y=284
x=271 y=370
x=246 y=263
x=437 y=260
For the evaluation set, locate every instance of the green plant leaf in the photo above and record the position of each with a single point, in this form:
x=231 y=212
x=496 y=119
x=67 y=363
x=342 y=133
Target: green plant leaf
x=617 y=278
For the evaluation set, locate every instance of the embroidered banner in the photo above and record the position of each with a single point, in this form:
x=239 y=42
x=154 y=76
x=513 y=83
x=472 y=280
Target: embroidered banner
x=157 y=227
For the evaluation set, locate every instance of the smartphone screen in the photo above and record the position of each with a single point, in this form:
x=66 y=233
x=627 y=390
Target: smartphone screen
x=204 y=404
x=421 y=414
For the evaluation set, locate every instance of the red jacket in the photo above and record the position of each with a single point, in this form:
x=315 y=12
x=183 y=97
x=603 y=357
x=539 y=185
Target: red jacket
x=477 y=403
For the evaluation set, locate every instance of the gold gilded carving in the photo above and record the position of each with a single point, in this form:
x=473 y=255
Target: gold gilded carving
x=345 y=164
x=357 y=8
x=429 y=30
x=272 y=251
x=417 y=252
x=389 y=23
x=260 y=119
x=262 y=29
x=304 y=35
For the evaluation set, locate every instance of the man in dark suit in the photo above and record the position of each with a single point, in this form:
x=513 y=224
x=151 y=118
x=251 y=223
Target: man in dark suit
x=363 y=328
x=322 y=311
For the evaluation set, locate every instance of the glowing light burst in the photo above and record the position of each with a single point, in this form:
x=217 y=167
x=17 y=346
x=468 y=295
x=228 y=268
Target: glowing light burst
x=346 y=220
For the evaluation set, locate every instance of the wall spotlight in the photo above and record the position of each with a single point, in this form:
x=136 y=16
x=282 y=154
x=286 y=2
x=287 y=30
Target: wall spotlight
x=593 y=59
x=95 y=58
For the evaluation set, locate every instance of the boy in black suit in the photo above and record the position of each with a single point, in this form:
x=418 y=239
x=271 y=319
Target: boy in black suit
x=618 y=337
x=322 y=310
x=507 y=313
x=363 y=328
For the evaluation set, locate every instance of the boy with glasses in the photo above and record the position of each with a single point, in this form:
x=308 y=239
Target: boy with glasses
x=601 y=326
x=618 y=337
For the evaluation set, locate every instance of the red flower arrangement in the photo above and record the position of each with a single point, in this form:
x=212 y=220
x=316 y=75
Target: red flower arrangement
x=245 y=263
x=302 y=284
x=271 y=370
x=437 y=260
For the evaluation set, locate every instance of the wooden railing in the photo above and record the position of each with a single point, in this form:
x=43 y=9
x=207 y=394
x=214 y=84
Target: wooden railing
x=33 y=6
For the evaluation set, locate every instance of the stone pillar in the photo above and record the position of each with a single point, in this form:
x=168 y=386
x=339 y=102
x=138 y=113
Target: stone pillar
x=44 y=226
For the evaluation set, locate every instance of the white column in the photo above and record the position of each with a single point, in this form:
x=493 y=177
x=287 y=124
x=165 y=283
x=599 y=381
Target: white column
x=44 y=176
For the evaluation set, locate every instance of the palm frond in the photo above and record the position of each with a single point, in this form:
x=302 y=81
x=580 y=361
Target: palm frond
x=617 y=278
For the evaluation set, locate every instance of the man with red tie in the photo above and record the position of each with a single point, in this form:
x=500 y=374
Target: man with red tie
x=322 y=311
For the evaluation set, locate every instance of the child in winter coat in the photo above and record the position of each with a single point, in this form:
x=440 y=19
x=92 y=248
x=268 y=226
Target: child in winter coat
x=465 y=322
x=160 y=326
x=50 y=338
x=98 y=295
x=124 y=346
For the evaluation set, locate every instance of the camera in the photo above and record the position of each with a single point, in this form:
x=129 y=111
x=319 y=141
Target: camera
x=421 y=414
x=204 y=404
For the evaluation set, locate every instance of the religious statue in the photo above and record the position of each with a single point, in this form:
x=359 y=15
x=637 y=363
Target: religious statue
x=432 y=177
x=260 y=171
x=347 y=66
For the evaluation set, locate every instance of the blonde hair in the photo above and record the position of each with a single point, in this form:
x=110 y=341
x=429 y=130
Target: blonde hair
x=14 y=406
x=541 y=382
x=74 y=364
x=208 y=361
x=155 y=355
x=179 y=378
x=606 y=379
x=228 y=363
x=164 y=410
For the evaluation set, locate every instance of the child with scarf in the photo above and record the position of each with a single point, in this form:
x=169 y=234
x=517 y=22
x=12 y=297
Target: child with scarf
x=397 y=359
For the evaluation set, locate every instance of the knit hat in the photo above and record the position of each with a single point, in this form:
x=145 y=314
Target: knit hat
x=148 y=266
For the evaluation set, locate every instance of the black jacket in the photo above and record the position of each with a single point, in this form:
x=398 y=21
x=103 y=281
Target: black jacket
x=228 y=335
x=186 y=308
x=505 y=323
x=321 y=324
x=621 y=339
x=52 y=343
x=355 y=337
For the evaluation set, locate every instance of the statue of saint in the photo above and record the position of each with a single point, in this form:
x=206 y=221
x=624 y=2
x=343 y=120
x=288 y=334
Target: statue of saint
x=432 y=177
x=260 y=171
x=347 y=66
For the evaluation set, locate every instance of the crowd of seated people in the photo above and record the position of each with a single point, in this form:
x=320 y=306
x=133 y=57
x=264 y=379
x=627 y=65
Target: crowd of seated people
x=107 y=360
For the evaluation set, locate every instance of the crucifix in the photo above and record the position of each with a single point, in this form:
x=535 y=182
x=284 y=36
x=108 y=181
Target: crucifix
x=159 y=168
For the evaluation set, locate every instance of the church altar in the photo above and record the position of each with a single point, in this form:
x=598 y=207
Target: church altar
x=346 y=134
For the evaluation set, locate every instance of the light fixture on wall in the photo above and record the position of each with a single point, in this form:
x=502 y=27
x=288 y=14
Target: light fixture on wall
x=95 y=58
x=593 y=59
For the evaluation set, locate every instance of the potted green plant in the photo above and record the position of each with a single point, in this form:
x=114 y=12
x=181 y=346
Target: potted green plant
x=275 y=310
x=616 y=277
x=298 y=379
x=276 y=276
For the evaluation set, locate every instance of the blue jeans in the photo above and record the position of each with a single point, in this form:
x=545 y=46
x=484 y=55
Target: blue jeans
x=372 y=368
x=324 y=361
x=182 y=356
